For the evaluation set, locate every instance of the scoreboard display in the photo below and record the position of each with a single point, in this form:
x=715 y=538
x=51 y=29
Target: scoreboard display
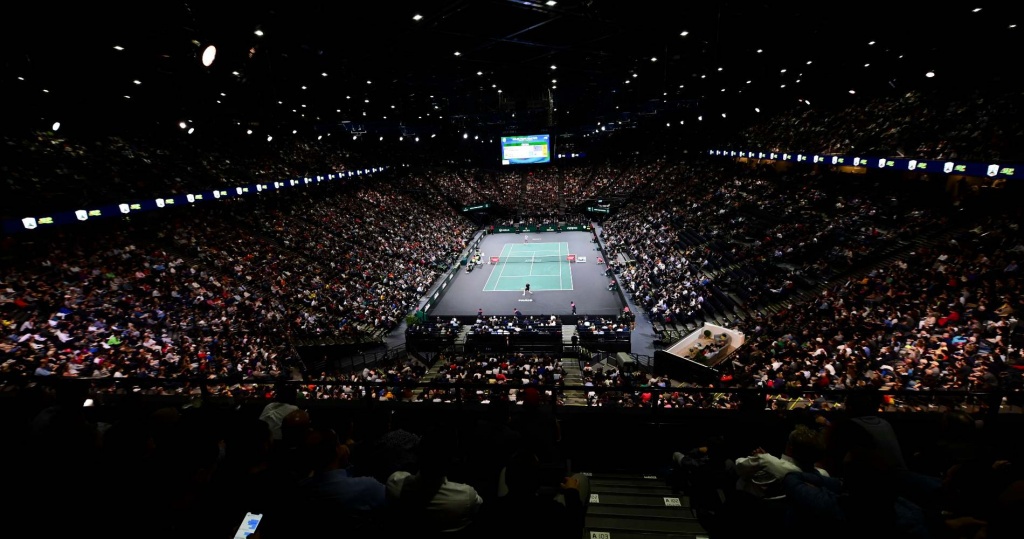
x=526 y=150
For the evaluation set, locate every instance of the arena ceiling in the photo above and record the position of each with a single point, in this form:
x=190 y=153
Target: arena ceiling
x=449 y=66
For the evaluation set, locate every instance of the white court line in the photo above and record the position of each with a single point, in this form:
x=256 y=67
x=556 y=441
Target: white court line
x=498 y=280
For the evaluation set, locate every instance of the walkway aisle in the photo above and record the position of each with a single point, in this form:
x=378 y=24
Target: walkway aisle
x=642 y=339
x=636 y=506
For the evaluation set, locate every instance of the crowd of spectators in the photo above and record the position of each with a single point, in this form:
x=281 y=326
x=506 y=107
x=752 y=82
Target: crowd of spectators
x=199 y=470
x=49 y=171
x=706 y=238
x=853 y=474
x=229 y=291
x=940 y=319
x=983 y=126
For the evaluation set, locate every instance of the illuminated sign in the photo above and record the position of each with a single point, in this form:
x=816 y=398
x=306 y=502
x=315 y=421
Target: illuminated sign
x=46 y=220
x=95 y=213
x=912 y=164
x=785 y=157
x=835 y=159
x=801 y=157
x=136 y=206
x=960 y=168
x=1008 y=171
x=881 y=163
x=30 y=223
x=856 y=161
x=190 y=198
x=239 y=190
x=124 y=208
x=159 y=203
x=993 y=170
x=947 y=167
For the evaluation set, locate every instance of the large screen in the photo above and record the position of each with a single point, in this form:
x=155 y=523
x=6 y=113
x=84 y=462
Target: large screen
x=526 y=150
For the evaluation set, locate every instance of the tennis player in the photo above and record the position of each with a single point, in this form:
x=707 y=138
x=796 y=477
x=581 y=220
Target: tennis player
x=526 y=290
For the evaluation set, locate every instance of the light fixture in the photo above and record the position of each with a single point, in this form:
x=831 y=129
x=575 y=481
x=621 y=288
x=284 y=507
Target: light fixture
x=852 y=92
x=757 y=110
x=118 y=48
x=248 y=131
x=654 y=58
x=209 y=55
x=270 y=138
x=137 y=82
x=417 y=17
x=182 y=125
x=323 y=74
x=259 y=32
x=56 y=126
x=457 y=53
x=684 y=33
x=930 y=74
x=759 y=51
x=553 y=66
x=551 y=3
x=191 y=130
x=975 y=10
x=871 y=42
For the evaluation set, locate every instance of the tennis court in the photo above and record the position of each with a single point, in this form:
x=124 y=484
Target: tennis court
x=544 y=265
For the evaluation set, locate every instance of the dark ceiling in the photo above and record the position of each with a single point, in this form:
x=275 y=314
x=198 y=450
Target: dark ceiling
x=318 y=65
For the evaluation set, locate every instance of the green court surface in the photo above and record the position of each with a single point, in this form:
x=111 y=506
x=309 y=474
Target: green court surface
x=555 y=273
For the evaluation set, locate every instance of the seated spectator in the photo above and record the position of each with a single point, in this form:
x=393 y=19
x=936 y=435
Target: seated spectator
x=427 y=503
x=273 y=414
x=559 y=504
x=331 y=499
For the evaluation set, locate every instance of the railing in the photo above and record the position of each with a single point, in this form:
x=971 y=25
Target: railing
x=661 y=400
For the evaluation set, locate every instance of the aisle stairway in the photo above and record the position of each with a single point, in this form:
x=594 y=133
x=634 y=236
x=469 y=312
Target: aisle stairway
x=573 y=377
x=636 y=506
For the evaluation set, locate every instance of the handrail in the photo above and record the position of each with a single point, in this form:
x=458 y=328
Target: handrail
x=257 y=389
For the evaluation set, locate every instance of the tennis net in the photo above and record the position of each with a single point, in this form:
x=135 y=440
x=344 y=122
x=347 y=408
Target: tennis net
x=536 y=259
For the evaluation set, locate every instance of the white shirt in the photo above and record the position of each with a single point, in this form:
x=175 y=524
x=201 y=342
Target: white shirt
x=274 y=413
x=453 y=507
